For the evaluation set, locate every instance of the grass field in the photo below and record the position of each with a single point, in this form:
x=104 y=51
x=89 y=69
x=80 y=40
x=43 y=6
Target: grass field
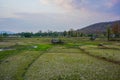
x=37 y=59
x=109 y=52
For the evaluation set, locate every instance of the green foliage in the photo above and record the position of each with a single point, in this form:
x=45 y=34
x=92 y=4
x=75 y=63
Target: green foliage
x=70 y=33
x=5 y=34
x=109 y=32
x=41 y=47
x=26 y=34
x=65 y=33
x=4 y=54
x=1 y=38
x=16 y=49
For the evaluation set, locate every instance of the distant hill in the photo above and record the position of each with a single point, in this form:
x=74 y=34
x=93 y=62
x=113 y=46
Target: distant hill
x=98 y=27
x=8 y=32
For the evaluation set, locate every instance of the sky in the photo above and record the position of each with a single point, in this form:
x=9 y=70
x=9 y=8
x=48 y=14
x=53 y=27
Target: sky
x=55 y=15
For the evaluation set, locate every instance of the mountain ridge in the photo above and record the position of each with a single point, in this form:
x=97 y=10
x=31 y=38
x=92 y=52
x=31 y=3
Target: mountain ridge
x=98 y=27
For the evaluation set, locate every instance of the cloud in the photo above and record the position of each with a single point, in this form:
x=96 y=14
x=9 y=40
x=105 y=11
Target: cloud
x=65 y=4
x=112 y=3
x=109 y=6
x=65 y=21
x=60 y=14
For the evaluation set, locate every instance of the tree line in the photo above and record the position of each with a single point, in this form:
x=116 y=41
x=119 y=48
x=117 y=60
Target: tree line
x=111 y=32
x=70 y=33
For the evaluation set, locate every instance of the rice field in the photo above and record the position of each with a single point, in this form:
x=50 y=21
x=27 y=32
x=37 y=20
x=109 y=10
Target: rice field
x=71 y=65
x=37 y=59
x=110 y=52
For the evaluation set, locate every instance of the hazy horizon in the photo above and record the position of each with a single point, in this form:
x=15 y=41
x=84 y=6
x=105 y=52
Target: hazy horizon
x=54 y=15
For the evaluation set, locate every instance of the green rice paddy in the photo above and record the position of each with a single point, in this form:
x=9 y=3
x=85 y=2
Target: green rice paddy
x=38 y=59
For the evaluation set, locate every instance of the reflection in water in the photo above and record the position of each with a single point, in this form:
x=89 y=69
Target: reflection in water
x=6 y=49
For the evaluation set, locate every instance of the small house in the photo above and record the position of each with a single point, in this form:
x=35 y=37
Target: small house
x=56 y=41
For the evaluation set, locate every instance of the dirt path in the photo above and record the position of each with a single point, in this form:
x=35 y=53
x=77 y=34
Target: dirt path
x=30 y=64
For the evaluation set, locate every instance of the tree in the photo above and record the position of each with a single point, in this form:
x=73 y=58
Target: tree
x=27 y=34
x=93 y=37
x=71 y=33
x=116 y=29
x=38 y=34
x=108 y=33
x=5 y=34
x=65 y=33
x=81 y=35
